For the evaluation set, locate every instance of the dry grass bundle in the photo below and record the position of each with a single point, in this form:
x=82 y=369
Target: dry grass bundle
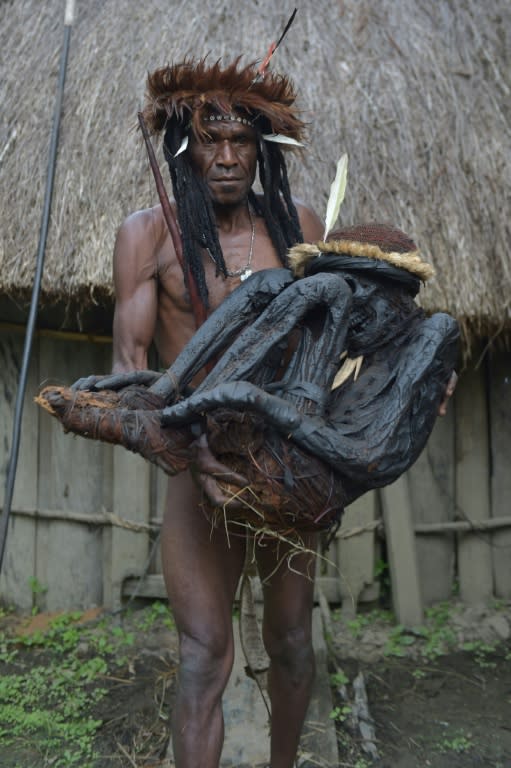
x=417 y=94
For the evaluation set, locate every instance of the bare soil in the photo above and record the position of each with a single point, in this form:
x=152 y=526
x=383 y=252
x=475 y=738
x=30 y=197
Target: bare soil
x=456 y=716
x=434 y=703
x=440 y=696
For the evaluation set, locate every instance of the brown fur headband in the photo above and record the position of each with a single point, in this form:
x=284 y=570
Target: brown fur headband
x=191 y=90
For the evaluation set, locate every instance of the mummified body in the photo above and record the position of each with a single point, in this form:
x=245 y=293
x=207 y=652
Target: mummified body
x=313 y=432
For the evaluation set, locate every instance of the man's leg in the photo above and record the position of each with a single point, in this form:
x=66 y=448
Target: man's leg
x=201 y=569
x=287 y=634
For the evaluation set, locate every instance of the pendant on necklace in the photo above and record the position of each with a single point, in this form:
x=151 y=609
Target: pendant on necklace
x=246 y=273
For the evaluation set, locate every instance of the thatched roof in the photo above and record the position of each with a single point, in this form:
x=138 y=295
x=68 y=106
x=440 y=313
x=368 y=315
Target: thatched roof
x=417 y=93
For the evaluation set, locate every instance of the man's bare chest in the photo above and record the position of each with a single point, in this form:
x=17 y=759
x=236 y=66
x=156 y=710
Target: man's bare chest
x=243 y=255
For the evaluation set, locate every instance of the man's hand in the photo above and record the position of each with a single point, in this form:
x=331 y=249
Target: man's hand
x=208 y=469
x=449 y=391
x=116 y=381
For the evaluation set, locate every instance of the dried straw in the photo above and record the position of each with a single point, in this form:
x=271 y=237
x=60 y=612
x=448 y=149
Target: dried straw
x=417 y=93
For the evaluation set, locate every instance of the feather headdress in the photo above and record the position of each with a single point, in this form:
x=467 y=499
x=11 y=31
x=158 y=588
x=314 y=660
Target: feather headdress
x=192 y=89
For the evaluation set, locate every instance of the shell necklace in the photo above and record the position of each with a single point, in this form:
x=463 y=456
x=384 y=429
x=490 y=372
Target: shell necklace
x=246 y=271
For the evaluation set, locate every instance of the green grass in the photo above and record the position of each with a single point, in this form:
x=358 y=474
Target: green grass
x=47 y=701
x=49 y=707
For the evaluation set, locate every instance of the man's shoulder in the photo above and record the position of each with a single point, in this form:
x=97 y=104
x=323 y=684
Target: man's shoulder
x=144 y=222
x=145 y=229
x=311 y=224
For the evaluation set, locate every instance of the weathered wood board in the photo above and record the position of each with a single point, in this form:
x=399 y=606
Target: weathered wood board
x=125 y=552
x=74 y=475
x=20 y=550
x=159 y=482
x=500 y=429
x=404 y=573
x=432 y=489
x=473 y=486
x=356 y=555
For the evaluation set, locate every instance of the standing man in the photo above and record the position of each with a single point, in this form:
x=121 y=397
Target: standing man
x=219 y=125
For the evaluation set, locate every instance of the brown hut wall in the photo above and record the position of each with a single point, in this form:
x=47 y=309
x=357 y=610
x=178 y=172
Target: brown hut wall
x=60 y=539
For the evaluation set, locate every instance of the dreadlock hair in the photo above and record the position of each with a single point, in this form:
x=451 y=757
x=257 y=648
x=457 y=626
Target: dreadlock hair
x=196 y=215
x=195 y=212
x=279 y=211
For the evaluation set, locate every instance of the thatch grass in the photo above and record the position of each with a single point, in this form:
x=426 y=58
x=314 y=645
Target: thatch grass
x=417 y=93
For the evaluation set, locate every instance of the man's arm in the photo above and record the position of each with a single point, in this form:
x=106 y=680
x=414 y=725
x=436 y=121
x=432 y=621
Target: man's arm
x=451 y=386
x=134 y=272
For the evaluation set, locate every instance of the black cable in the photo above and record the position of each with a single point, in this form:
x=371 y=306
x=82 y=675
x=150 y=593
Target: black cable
x=43 y=233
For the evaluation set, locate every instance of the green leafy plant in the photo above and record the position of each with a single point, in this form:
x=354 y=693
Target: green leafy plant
x=158 y=611
x=341 y=713
x=37 y=590
x=438 y=636
x=48 y=706
x=419 y=674
x=481 y=651
x=36 y=587
x=458 y=743
x=5 y=610
x=357 y=624
x=339 y=678
x=45 y=709
x=397 y=641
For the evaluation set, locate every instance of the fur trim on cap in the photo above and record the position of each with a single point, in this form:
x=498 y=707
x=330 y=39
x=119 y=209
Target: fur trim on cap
x=191 y=90
x=373 y=241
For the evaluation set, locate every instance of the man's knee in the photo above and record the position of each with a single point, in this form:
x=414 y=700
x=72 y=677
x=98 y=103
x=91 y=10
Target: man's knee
x=205 y=664
x=291 y=649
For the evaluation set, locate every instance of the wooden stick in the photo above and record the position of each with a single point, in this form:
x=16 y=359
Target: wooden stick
x=463 y=525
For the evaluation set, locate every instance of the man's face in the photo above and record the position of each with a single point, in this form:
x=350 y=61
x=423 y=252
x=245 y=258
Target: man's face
x=227 y=161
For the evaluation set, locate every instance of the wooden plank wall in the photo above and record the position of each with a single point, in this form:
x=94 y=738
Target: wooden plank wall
x=20 y=556
x=55 y=558
x=432 y=490
x=67 y=488
x=460 y=481
x=73 y=476
x=499 y=402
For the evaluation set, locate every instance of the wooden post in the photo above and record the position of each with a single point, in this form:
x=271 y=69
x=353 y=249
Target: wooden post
x=356 y=556
x=404 y=573
x=159 y=482
x=125 y=552
x=473 y=485
x=431 y=482
x=500 y=430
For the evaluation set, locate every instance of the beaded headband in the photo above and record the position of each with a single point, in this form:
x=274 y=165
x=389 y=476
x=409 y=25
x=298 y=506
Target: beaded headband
x=231 y=116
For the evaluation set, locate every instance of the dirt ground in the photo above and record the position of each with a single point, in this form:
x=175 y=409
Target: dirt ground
x=440 y=696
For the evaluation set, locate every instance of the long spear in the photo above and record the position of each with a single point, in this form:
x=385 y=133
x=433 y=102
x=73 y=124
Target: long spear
x=41 y=251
